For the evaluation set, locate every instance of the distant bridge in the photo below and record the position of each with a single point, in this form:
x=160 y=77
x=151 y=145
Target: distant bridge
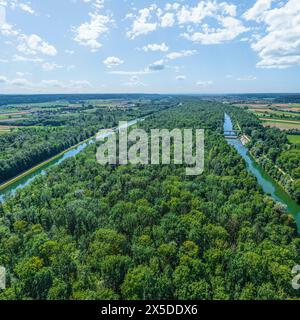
x=232 y=134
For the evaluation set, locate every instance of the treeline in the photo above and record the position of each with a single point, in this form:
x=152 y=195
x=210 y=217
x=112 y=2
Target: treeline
x=41 y=98
x=271 y=148
x=86 y=231
x=25 y=148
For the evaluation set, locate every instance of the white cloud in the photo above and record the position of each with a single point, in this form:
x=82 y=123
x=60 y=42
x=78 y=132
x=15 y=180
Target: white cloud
x=280 y=46
x=204 y=84
x=49 y=66
x=134 y=81
x=52 y=83
x=2 y=16
x=258 y=10
x=26 y=7
x=88 y=33
x=231 y=28
x=168 y=20
x=70 y=52
x=21 y=82
x=8 y=30
x=247 y=78
x=156 y=47
x=19 y=58
x=141 y=24
x=97 y=4
x=180 y=54
x=228 y=26
x=181 y=78
x=44 y=85
x=113 y=62
x=3 y=80
x=72 y=84
x=209 y=22
x=130 y=73
x=27 y=44
x=34 y=44
x=205 y=9
x=157 y=65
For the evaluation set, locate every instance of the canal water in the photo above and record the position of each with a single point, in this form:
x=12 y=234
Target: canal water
x=267 y=183
x=20 y=184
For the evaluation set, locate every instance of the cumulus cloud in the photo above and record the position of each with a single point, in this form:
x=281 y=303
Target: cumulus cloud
x=97 y=4
x=21 y=82
x=204 y=9
x=231 y=28
x=112 y=62
x=141 y=24
x=88 y=33
x=168 y=20
x=258 y=10
x=26 y=7
x=200 y=21
x=279 y=47
x=180 y=54
x=157 y=65
x=34 y=44
x=3 y=80
x=8 y=30
x=156 y=47
x=31 y=44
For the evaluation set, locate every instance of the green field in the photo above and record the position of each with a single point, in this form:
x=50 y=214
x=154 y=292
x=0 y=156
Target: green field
x=4 y=131
x=295 y=139
x=281 y=124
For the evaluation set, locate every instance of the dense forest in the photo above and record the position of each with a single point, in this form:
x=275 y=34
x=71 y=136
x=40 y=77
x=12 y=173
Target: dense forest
x=58 y=130
x=86 y=231
x=272 y=150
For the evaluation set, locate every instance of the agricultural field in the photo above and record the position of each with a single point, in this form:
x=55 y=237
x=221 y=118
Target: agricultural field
x=283 y=116
x=3 y=131
x=281 y=124
x=294 y=139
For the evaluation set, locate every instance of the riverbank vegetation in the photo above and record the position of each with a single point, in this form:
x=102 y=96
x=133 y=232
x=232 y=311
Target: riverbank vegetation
x=86 y=231
x=273 y=150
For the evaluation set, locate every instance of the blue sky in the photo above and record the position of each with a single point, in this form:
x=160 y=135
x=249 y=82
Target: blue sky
x=183 y=46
